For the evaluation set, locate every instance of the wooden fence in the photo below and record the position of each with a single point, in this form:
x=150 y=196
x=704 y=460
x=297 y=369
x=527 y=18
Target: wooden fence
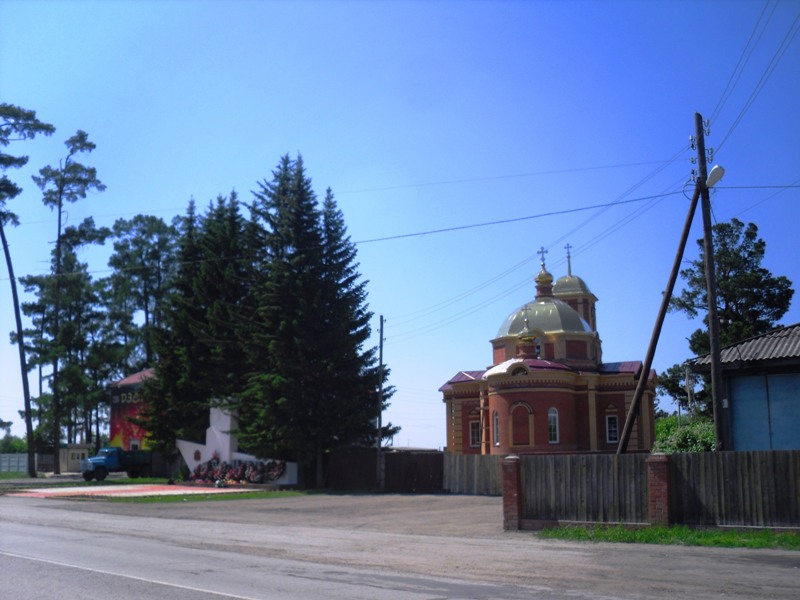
x=599 y=488
x=473 y=474
x=744 y=489
x=722 y=489
x=403 y=472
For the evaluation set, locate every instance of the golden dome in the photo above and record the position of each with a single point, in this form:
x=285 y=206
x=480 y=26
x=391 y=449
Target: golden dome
x=545 y=314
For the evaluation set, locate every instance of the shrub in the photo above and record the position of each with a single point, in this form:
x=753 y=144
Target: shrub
x=695 y=435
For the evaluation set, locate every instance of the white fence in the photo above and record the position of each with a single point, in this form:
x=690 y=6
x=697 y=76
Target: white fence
x=13 y=463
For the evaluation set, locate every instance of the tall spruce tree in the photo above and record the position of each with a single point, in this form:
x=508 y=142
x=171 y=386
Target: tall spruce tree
x=278 y=405
x=176 y=401
x=17 y=124
x=201 y=360
x=352 y=375
x=313 y=383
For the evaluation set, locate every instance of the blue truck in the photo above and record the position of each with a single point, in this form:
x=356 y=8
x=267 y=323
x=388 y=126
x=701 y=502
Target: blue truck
x=109 y=460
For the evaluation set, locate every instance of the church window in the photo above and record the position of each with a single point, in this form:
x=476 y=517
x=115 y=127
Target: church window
x=474 y=434
x=612 y=429
x=519 y=371
x=496 y=428
x=552 y=426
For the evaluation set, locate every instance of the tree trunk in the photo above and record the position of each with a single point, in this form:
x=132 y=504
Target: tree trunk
x=23 y=366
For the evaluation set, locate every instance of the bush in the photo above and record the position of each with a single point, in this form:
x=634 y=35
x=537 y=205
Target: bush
x=11 y=444
x=695 y=435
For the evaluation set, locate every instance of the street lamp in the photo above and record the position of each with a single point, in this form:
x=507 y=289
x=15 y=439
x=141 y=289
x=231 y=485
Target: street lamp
x=714 y=176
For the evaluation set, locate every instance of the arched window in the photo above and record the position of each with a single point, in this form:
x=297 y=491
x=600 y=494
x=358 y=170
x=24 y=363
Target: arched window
x=552 y=426
x=496 y=428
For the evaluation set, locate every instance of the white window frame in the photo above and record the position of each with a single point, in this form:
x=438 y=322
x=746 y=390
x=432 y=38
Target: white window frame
x=474 y=428
x=552 y=426
x=609 y=420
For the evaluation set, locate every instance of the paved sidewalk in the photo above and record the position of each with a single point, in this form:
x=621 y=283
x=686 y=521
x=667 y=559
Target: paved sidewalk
x=128 y=491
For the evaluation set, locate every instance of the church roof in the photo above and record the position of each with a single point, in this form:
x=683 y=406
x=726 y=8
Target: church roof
x=533 y=364
x=570 y=284
x=546 y=314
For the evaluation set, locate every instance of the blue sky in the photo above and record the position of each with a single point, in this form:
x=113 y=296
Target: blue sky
x=422 y=117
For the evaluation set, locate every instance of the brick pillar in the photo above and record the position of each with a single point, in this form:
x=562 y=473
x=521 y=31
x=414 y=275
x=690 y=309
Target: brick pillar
x=658 y=489
x=512 y=494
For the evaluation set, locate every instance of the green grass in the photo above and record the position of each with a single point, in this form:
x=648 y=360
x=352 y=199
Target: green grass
x=677 y=535
x=12 y=475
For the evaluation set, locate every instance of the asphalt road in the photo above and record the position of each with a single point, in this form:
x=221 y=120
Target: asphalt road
x=339 y=546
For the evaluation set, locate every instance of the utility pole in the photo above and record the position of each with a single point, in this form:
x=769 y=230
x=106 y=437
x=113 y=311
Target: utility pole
x=379 y=433
x=711 y=281
x=633 y=411
x=700 y=190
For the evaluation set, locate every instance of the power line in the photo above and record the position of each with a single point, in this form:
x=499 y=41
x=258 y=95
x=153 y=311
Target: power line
x=515 y=220
x=500 y=177
x=768 y=71
x=729 y=87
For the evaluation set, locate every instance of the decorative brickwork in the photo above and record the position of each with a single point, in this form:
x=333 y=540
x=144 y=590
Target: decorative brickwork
x=512 y=496
x=658 y=489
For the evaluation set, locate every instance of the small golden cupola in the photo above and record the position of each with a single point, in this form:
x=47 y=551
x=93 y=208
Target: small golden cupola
x=547 y=328
x=574 y=291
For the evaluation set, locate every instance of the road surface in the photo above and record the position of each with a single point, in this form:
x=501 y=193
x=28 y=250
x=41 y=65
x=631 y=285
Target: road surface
x=340 y=546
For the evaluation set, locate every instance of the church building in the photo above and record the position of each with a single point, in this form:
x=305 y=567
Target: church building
x=548 y=390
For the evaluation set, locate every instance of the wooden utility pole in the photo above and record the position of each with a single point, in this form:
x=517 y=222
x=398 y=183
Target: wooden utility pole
x=711 y=282
x=633 y=411
x=379 y=433
x=700 y=190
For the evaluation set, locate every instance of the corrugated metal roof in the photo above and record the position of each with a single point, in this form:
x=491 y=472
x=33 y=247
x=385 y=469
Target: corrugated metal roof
x=777 y=344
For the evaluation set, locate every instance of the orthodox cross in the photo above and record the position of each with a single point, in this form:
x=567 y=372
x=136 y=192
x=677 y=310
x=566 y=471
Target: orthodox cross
x=541 y=252
x=568 y=247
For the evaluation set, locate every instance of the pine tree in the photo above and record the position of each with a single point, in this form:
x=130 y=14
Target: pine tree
x=143 y=259
x=17 y=124
x=67 y=183
x=750 y=299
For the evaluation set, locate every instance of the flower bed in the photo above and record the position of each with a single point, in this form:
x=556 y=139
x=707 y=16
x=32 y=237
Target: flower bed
x=215 y=471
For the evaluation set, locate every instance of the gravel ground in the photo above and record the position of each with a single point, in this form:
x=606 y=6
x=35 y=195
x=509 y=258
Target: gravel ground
x=449 y=536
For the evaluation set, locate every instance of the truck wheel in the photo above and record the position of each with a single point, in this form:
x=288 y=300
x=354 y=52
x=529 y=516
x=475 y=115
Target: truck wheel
x=100 y=473
x=88 y=475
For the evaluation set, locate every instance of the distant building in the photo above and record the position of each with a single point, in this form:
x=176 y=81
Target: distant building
x=761 y=391
x=126 y=404
x=548 y=389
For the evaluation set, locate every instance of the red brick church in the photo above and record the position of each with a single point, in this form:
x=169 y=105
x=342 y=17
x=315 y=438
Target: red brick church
x=548 y=389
